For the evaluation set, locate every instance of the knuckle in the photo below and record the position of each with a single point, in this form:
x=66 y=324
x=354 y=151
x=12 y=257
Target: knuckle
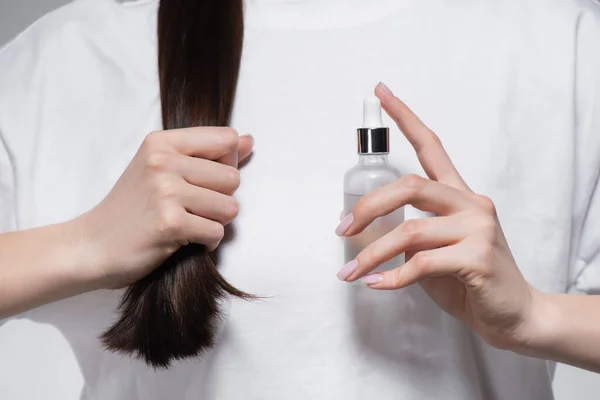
x=435 y=139
x=412 y=181
x=229 y=138
x=487 y=227
x=153 y=140
x=421 y=262
x=159 y=160
x=234 y=178
x=231 y=208
x=171 y=221
x=367 y=258
x=215 y=232
x=397 y=278
x=486 y=204
x=164 y=187
x=411 y=228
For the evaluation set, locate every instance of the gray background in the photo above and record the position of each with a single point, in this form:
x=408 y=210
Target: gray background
x=16 y=15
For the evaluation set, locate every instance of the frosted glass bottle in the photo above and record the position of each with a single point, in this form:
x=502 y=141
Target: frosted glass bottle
x=371 y=172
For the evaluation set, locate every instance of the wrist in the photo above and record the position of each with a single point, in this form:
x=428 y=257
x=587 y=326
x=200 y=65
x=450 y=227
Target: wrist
x=85 y=267
x=42 y=265
x=540 y=325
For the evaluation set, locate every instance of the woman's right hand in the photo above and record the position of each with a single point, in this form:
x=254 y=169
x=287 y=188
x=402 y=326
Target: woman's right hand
x=177 y=190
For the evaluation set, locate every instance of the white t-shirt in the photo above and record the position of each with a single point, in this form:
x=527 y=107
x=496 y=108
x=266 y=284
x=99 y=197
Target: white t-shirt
x=511 y=87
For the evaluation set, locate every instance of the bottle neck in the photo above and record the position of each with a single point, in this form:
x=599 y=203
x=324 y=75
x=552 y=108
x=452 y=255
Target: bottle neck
x=373 y=159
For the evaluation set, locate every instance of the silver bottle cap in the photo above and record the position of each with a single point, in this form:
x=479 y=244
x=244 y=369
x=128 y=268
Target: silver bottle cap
x=373 y=137
x=373 y=140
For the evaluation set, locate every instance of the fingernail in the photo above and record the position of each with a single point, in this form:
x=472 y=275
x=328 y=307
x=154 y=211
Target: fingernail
x=342 y=214
x=251 y=138
x=385 y=89
x=347 y=270
x=344 y=225
x=371 y=279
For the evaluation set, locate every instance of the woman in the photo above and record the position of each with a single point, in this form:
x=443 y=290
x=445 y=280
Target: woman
x=94 y=202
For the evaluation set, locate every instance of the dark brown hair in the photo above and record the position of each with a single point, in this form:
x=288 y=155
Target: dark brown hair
x=172 y=313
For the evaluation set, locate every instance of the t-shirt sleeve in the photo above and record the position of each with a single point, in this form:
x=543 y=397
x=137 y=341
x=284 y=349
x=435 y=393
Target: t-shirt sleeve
x=588 y=261
x=22 y=80
x=7 y=163
x=7 y=194
x=585 y=271
x=7 y=190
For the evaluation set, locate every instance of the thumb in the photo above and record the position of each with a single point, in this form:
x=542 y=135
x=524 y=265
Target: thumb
x=245 y=147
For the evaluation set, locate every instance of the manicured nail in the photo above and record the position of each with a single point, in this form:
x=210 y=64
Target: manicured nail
x=251 y=138
x=347 y=270
x=371 y=279
x=385 y=89
x=344 y=225
x=342 y=214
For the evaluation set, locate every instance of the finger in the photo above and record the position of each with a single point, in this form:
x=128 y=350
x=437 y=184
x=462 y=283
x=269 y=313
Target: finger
x=430 y=151
x=209 y=204
x=211 y=143
x=243 y=150
x=245 y=147
x=414 y=235
x=424 y=194
x=231 y=158
x=203 y=231
x=207 y=174
x=438 y=262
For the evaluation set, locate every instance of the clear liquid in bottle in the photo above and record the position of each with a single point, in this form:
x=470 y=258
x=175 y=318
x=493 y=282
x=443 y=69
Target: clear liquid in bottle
x=378 y=228
x=370 y=173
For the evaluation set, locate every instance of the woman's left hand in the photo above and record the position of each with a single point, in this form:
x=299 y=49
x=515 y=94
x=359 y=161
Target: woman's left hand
x=460 y=257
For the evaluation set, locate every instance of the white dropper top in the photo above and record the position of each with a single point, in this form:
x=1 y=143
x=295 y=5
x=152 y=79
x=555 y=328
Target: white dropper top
x=372 y=113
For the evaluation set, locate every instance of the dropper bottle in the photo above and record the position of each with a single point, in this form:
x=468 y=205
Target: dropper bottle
x=371 y=172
